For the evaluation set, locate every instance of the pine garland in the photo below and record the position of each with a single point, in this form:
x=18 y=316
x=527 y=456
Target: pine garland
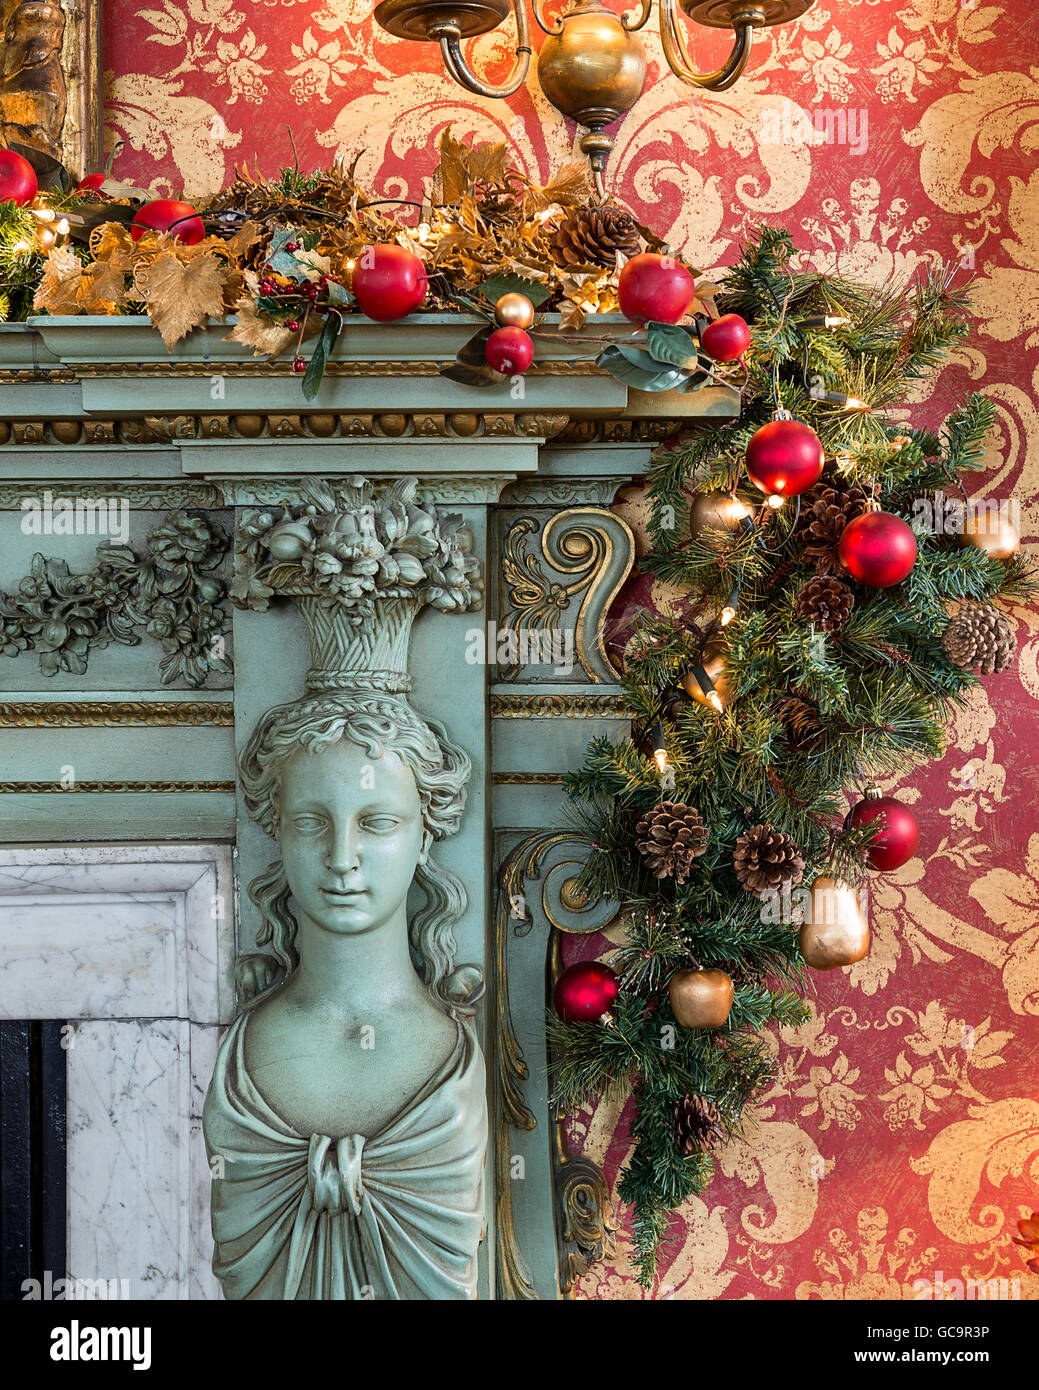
x=814 y=716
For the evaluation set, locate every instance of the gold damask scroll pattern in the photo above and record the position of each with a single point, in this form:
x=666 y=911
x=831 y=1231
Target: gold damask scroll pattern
x=584 y=556
x=584 y=1219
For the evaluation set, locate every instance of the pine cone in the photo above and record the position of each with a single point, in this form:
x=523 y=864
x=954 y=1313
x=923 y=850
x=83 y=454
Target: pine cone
x=669 y=837
x=767 y=861
x=594 y=235
x=825 y=602
x=697 y=1125
x=829 y=511
x=980 y=638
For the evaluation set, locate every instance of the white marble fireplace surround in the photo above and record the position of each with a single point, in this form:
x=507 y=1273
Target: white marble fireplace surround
x=134 y=945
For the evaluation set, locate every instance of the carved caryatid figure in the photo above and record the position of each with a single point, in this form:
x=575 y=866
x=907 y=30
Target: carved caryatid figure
x=347 y=1108
x=33 y=92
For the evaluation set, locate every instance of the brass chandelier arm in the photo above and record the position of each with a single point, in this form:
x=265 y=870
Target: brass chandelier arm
x=633 y=26
x=458 y=69
x=680 y=62
x=538 y=7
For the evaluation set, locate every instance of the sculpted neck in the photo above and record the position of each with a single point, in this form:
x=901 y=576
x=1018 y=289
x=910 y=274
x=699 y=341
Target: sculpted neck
x=349 y=974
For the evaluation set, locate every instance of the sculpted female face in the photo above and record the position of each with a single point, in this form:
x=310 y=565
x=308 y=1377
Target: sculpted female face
x=351 y=835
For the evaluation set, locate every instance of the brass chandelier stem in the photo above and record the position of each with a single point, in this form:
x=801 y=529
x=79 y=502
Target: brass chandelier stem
x=449 y=35
x=680 y=62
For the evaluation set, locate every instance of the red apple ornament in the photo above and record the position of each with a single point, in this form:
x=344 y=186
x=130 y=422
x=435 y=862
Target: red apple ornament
x=388 y=282
x=878 y=549
x=17 y=179
x=726 y=339
x=899 y=835
x=655 y=289
x=784 y=458
x=167 y=215
x=509 y=350
x=585 y=992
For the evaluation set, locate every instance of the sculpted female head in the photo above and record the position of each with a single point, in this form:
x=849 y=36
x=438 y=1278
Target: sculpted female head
x=356 y=789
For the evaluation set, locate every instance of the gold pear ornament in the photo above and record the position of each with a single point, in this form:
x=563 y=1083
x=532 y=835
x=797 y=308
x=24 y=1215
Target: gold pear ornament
x=716 y=511
x=835 y=931
x=701 y=998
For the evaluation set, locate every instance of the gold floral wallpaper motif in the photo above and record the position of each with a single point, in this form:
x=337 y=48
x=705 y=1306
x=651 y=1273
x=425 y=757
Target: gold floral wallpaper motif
x=900 y=1140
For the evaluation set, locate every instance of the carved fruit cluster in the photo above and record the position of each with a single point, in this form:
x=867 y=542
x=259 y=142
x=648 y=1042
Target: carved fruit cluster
x=352 y=546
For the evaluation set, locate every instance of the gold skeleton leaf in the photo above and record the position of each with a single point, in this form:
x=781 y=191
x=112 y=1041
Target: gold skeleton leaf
x=58 y=291
x=181 y=296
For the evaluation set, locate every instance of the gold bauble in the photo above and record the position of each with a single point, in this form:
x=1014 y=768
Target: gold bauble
x=514 y=311
x=717 y=511
x=701 y=998
x=714 y=665
x=836 y=930
x=594 y=69
x=992 y=533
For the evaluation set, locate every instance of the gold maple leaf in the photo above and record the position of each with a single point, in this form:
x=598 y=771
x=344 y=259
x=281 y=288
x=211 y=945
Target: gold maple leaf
x=257 y=331
x=181 y=296
x=58 y=290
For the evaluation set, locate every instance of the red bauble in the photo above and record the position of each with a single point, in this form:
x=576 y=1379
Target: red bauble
x=899 y=836
x=726 y=339
x=17 y=178
x=655 y=289
x=90 y=184
x=167 y=215
x=784 y=457
x=585 y=992
x=877 y=549
x=389 y=281
x=509 y=350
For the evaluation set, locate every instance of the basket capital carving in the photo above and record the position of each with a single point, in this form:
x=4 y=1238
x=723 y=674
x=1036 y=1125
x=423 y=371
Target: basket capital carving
x=360 y=563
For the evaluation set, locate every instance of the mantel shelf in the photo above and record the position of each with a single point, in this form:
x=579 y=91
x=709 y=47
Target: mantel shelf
x=120 y=366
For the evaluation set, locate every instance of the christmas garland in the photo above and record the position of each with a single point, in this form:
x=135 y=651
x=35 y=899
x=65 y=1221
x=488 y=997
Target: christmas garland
x=832 y=628
x=295 y=257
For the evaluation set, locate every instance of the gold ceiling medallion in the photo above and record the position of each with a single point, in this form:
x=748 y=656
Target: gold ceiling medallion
x=591 y=66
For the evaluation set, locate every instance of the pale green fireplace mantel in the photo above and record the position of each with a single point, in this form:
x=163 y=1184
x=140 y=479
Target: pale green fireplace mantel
x=93 y=407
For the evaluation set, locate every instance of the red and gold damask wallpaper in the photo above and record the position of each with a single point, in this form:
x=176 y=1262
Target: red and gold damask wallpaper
x=900 y=1141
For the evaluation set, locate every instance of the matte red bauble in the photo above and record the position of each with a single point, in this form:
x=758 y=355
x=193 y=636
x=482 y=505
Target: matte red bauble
x=389 y=281
x=899 y=836
x=784 y=457
x=17 y=178
x=167 y=215
x=655 y=289
x=878 y=549
x=509 y=350
x=585 y=992
x=726 y=339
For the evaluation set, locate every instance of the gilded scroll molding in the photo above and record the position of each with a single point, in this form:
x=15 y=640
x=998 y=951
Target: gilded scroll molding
x=584 y=556
x=90 y=714
x=16 y=788
x=144 y=430
x=559 y=707
x=585 y=1222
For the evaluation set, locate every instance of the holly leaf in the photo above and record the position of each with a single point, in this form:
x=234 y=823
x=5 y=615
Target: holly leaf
x=181 y=297
x=316 y=368
x=669 y=343
x=636 y=368
x=493 y=289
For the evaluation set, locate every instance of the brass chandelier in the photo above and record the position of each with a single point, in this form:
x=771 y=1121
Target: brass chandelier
x=591 y=66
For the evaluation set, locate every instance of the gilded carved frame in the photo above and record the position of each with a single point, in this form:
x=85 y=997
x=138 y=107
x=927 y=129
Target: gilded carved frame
x=51 y=90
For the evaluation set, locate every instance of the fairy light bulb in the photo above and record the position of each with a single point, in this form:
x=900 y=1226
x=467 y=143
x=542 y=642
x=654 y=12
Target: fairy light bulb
x=63 y=227
x=728 y=612
x=659 y=747
x=714 y=700
x=775 y=501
